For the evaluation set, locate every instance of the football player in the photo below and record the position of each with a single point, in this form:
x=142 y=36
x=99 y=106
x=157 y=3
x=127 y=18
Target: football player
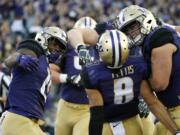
x=72 y=116
x=161 y=50
x=31 y=81
x=113 y=89
x=147 y=122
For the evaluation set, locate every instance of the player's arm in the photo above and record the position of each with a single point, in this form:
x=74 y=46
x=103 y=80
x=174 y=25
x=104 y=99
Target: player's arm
x=82 y=36
x=58 y=77
x=96 y=105
x=96 y=111
x=25 y=56
x=163 y=48
x=55 y=72
x=11 y=61
x=79 y=38
x=157 y=108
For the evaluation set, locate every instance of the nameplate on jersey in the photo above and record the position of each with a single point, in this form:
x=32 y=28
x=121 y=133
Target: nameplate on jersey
x=92 y=63
x=128 y=70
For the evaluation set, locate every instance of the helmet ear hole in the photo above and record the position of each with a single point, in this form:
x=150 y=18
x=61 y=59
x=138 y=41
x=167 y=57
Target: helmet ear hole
x=149 y=21
x=39 y=39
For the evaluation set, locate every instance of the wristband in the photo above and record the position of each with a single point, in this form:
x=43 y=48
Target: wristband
x=63 y=78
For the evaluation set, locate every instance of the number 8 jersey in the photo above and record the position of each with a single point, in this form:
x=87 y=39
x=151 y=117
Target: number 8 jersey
x=120 y=88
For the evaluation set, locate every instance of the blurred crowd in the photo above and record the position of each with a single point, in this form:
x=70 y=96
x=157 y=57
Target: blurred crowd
x=21 y=19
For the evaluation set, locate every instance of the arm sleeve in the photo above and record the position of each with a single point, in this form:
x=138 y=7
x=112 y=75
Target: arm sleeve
x=32 y=45
x=161 y=37
x=96 y=120
x=85 y=79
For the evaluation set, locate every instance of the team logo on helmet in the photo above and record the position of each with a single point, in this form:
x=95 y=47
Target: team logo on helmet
x=113 y=48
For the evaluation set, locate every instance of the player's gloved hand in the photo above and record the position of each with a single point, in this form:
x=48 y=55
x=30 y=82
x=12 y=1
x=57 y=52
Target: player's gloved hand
x=83 y=53
x=75 y=80
x=143 y=109
x=27 y=62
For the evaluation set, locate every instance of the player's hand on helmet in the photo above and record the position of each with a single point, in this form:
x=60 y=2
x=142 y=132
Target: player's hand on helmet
x=27 y=62
x=83 y=53
x=143 y=109
x=74 y=79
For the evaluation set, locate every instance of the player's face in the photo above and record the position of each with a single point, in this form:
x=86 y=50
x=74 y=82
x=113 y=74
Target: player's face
x=133 y=30
x=55 y=46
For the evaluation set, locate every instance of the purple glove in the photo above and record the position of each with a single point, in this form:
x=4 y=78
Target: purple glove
x=27 y=62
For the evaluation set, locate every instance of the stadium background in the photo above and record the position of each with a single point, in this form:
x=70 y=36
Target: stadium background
x=21 y=19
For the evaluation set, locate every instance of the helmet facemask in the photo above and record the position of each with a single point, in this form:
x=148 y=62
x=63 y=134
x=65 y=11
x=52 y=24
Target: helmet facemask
x=135 y=32
x=54 y=42
x=135 y=14
x=55 y=49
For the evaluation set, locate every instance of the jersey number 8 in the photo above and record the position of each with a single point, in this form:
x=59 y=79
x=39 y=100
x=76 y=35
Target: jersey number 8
x=123 y=90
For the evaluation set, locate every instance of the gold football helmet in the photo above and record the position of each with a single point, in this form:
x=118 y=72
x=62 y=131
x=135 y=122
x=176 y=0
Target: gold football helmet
x=113 y=48
x=51 y=32
x=132 y=14
x=85 y=22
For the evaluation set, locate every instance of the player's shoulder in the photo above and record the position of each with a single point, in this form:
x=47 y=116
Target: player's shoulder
x=159 y=37
x=95 y=65
x=161 y=31
x=31 y=45
x=94 y=68
x=92 y=74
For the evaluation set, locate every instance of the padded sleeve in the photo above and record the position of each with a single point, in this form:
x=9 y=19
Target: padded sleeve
x=32 y=45
x=161 y=37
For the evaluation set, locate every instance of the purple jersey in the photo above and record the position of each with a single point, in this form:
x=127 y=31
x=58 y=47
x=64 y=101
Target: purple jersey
x=120 y=88
x=71 y=66
x=28 y=90
x=171 y=96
